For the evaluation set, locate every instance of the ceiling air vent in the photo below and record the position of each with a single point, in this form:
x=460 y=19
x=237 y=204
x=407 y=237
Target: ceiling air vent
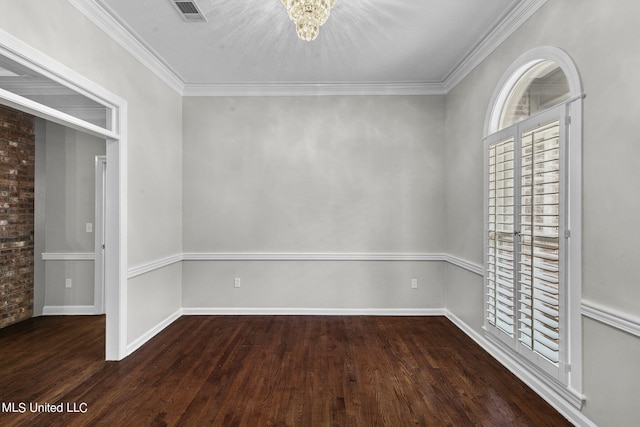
x=189 y=10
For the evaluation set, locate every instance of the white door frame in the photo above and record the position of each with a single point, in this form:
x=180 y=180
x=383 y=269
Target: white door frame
x=100 y=234
x=116 y=183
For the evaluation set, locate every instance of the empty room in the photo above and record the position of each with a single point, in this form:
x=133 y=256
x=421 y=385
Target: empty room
x=319 y=212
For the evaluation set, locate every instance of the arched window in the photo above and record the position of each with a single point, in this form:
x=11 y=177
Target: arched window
x=543 y=85
x=532 y=218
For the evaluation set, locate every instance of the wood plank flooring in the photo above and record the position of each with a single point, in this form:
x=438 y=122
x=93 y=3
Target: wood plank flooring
x=264 y=371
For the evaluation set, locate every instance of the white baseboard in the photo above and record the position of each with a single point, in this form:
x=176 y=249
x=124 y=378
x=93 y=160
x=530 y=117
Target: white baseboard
x=310 y=256
x=254 y=311
x=561 y=404
x=69 y=310
x=139 y=342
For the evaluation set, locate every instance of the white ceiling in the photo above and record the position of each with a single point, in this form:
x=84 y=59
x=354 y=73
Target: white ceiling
x=253 y=42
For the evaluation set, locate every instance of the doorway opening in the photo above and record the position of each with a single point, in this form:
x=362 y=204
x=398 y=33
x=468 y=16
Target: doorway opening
x=34 y=83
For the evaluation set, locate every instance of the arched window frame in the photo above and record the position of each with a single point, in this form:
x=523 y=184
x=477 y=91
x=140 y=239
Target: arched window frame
x=570 y=388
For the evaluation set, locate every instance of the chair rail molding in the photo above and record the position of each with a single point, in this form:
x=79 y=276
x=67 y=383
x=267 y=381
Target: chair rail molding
x=611 y=317
x=298 y=256
x=153 y=265
x=68 y=256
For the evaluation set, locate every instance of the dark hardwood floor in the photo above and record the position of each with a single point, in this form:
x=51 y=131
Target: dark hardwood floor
x=263 y=371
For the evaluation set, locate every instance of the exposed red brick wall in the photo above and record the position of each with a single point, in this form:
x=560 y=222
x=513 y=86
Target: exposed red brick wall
x=17 y=162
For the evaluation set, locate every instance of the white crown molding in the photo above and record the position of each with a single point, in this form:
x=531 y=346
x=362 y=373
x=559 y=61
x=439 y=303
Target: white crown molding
x=106 y=19
x=68 y=256
x=102 y=16
x=505 y=28
x=314 y=89
x=611 y=317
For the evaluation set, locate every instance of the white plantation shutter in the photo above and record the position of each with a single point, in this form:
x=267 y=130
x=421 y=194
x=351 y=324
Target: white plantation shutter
x=539 y=262
x=501 y=256
x=524 y=239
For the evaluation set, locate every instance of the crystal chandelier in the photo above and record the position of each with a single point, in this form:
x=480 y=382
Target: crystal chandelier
x=308 y=16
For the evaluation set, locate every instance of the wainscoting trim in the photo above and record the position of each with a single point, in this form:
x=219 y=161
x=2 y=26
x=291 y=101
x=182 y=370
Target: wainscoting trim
x=300 y=256
x=153 y=265
x=68 y=256
x=473 y=268
x=611 y=317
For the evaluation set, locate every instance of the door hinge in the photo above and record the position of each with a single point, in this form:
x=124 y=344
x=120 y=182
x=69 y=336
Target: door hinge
x=567 y=234
x=567 y=120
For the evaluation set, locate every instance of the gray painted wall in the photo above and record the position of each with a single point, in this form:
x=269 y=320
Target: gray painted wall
x=70 y=196
x=69 y=206
x=313 y=174
x=342 y=285
x=601 y=37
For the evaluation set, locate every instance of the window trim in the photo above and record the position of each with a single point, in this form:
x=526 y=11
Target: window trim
x=515 y=133
x=572 y=389
x=518 y=69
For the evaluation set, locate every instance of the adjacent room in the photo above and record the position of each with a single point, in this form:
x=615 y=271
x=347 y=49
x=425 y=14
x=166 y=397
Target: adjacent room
x=319 y=212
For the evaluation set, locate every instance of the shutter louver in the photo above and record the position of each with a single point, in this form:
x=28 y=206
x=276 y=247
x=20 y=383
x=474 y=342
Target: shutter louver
x=539 y=272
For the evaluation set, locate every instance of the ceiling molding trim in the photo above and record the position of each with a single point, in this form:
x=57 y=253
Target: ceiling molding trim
x=505 y=28
x=314 y=89
x=106 y=21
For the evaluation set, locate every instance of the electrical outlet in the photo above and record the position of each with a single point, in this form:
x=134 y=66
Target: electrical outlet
x=236 y=282
x=67 y=283
x=414 y=283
